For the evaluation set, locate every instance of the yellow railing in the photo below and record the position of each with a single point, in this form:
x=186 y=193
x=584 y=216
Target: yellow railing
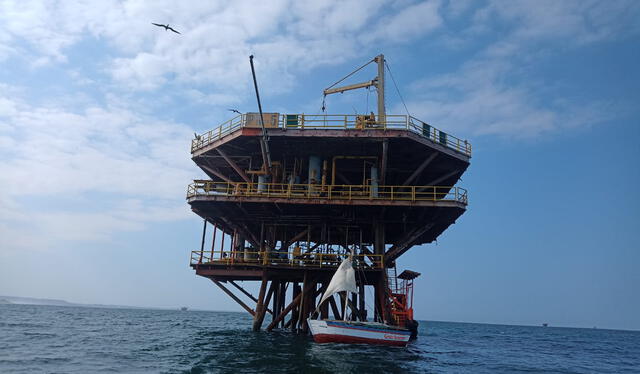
x=341 y=122
x=311 y=260
x=328 y=192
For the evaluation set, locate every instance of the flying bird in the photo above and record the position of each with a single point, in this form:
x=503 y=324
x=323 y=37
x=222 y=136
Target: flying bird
x=166 y=27
x=234 y=110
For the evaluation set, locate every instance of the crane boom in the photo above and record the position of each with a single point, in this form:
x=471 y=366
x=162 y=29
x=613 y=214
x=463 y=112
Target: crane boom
x=330 y=91
x=378 y=82
x=264 y=146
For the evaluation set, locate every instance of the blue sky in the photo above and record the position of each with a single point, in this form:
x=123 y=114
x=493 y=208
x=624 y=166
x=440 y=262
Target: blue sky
x=98 y=107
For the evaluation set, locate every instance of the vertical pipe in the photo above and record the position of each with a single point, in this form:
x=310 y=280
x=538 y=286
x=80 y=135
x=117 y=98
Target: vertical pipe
x=300 y=305
x=260 y=308
x=294 y=312
x=261 y=249
x=306 y=306
x=324 y=308
x=276 y=298
x=354 y=304
x=361 y=306
x=283 y=296
x=374 y=181
x=382 y=297
x=376 y=305
x=383 y=163
x=346 y=304
x=204 y=232
x=213 y=241
x=222 y=252
x=234 y=237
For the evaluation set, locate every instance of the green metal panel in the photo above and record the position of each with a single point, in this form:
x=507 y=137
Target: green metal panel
x=292 y=120
x=426 y=130
x=443 y=138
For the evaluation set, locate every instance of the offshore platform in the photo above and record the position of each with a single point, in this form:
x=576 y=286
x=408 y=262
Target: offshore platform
x=290 y=195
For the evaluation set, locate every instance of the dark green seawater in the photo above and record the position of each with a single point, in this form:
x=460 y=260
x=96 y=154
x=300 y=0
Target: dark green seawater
x=51 y=339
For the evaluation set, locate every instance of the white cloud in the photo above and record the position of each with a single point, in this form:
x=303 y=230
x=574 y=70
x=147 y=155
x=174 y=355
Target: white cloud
x=581 y=21
x=410 y=22
x=216 y=39
x=485 y=97
x=473 y=101
x=114 y=169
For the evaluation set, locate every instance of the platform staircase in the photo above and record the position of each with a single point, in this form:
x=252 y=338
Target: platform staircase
x=399 y=297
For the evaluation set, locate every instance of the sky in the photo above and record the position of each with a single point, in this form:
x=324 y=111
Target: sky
x=98 y=108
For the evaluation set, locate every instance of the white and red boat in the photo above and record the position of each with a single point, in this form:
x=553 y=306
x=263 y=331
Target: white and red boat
x=336 y=331
x=328 y=331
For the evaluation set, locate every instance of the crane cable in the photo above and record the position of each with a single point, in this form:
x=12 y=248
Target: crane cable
x=396 y=86
x=347 y=76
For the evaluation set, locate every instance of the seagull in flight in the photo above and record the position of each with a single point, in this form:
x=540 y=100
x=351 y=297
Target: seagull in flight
x=166 y=27
x=234 y=110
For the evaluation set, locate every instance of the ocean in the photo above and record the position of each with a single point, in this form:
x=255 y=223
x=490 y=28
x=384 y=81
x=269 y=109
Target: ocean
x=53 y=339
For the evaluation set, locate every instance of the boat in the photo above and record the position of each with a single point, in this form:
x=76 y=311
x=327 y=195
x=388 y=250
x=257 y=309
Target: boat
x=353 y=332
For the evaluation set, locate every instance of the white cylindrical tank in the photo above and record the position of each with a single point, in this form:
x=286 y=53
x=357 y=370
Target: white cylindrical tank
x=262 y=183
x=315 y=169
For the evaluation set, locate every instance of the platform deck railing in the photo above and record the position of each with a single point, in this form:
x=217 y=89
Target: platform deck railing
x=281 y=258
x=340 y=122
x=328 y=192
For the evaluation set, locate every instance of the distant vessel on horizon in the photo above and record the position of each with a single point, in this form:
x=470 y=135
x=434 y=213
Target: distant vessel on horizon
x=545 y=324
x=184 y=309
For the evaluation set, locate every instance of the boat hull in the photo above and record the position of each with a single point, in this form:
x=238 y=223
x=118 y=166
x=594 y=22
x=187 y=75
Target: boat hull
x=357 y=333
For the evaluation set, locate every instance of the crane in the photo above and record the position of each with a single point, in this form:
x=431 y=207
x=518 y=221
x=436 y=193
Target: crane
x=377 y=82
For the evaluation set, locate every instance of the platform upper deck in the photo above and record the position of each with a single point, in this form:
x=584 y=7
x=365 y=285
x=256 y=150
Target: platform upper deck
x=338 y=122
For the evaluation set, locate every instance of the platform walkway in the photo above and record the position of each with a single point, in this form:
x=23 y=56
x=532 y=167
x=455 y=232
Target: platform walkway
x=336 y=122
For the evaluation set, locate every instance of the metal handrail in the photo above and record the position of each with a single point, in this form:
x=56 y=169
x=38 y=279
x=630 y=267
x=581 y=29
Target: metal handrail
x=328 y=192
x=296 y=259
x=340 y=122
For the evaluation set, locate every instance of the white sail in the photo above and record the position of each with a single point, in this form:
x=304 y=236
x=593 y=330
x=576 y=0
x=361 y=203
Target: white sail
x=343 y=280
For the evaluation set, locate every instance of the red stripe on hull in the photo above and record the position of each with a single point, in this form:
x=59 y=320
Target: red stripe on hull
x=331 y=338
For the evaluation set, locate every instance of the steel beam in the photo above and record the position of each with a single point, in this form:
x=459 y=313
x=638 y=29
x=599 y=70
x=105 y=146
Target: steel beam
x=420 y=168
x=234 y=165
x=439 y=179
x=248 y=294
x=349 y=87
x=397 y=249
x=234 y=297
x=217 y=173
x=259 y=316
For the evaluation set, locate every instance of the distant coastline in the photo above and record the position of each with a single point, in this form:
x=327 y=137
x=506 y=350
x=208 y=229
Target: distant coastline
x=19 y=300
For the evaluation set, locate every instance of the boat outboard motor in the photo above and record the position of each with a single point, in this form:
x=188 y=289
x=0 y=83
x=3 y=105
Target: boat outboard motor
x=412 y=326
